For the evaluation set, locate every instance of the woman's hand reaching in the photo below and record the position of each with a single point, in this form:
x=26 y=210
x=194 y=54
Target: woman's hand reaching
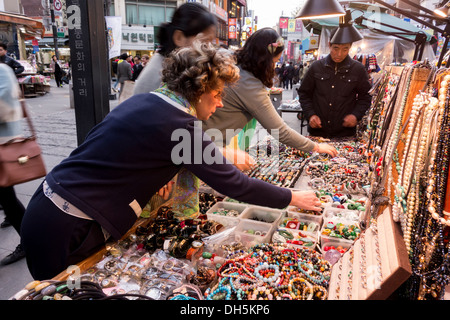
x=306 y=200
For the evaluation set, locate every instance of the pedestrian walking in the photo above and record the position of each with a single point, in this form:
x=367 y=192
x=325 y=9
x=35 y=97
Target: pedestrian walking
x=10 y=128
x=57 y=71
x=124 y=71
x=13 y=64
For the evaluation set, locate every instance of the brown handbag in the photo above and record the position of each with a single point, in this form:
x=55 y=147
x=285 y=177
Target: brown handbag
x=20 y=158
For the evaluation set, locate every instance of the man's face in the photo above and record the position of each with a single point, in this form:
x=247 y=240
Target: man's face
x=2 y=52
x=339 y=52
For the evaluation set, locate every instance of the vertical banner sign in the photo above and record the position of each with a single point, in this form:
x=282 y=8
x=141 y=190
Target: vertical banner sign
x=114 y=36
x=298 y=25
x=289 y=51
x=89 y=57
x=80 y=47
x=291 y=25
x=284 y=23
x=232 y=32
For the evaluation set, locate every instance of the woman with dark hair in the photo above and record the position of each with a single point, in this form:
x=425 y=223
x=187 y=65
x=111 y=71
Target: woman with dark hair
x=248 y=101
x=99 y=190
x=189 y=20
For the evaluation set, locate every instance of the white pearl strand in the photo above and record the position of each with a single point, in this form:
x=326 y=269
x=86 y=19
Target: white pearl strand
x=409 y=153
x=398 y=212
x=413 y=200
x=409 y=164
x=394 y=136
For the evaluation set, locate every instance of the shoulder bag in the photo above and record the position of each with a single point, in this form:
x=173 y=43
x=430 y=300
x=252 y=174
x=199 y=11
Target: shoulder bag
x=20 y=158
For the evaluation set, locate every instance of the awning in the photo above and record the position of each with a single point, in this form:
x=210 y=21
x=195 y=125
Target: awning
x=30 y=27
x=50 y=41
x=373 y=14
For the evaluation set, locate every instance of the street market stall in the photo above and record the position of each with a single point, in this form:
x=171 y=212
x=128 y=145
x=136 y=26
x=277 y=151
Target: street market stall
x=382 y=233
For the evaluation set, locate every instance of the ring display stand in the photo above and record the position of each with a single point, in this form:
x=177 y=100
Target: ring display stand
x=375 y=266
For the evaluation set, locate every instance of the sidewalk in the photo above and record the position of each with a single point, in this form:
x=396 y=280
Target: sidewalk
x=54 y=122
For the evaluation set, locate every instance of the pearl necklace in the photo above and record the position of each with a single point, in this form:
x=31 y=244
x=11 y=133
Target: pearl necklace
x=393 y=138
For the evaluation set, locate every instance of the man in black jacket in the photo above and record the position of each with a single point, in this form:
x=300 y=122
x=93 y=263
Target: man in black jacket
x=16 y=66
x=334 y=94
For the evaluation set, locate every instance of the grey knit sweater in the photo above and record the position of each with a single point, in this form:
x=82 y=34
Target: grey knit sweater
x=248 y=99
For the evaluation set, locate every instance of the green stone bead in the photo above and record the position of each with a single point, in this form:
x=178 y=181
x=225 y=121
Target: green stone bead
x=207 y=255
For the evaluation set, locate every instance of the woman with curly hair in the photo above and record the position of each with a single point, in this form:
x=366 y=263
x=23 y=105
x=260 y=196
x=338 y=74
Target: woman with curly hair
x=99 y=190
x=249 y=99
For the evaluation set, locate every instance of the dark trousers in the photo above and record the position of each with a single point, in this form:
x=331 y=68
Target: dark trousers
x=12 y=207
x=54 y=240
x=58 y=77
x=287 y=82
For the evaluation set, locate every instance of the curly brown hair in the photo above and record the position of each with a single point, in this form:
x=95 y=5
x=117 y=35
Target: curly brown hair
x=192 y=71
x=255 y=56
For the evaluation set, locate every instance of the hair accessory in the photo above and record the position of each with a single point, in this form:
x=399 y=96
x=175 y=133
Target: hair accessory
x=273 y=46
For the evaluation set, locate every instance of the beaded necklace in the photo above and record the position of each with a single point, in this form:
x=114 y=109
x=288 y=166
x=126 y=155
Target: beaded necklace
x=272 y=271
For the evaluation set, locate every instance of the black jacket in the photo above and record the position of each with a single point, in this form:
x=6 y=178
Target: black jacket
x=16 y=66
x=331 y=91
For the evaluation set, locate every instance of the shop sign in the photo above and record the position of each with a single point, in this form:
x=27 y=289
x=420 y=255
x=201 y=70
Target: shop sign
x=291 y=25
x=314 y=42
x=298 y=25
x=284 y=23
x=232 y=31
x=138 y=38
x=61 y=32
x=218 y=11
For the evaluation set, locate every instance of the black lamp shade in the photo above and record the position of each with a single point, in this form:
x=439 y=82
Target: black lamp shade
x=320 y=9
x=346 y=34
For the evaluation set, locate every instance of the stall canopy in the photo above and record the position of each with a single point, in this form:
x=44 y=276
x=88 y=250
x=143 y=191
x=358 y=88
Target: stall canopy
x=382 y=36
x=30 y=28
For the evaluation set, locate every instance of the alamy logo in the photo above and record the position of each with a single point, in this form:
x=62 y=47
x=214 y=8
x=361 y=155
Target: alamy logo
x=194 y=146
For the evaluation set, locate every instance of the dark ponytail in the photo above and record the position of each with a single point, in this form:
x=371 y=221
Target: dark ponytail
x=191 y=18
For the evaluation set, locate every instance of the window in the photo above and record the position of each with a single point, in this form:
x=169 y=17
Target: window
x=149 y=12
x=132 y=17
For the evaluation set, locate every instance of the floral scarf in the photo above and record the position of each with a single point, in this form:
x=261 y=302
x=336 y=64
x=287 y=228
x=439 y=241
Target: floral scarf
x=185 y=194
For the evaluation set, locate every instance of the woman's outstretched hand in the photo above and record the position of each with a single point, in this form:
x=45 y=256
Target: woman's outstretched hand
x=306 y=200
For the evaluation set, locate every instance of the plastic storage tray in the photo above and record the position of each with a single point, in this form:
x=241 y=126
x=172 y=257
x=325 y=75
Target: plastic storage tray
x=294 y=212
x=341 y=214
x=305 y=218
x=227 y=221
x=249 y=239
x=262 y=214
x=298 y=235
x=334 y=242
x=324 y=239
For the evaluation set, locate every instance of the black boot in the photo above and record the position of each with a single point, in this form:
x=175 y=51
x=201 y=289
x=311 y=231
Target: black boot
x=13 y=257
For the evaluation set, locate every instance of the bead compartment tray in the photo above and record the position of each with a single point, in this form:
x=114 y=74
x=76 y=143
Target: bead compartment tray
x=227 y=221
x=341 y=214
x=249 y=239
x=262 y=214
x=326 y=239
x=305 y=219
x=294 y=212
x=298 y=236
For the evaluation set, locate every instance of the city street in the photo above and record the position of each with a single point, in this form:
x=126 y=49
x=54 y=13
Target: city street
x=54 y=121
